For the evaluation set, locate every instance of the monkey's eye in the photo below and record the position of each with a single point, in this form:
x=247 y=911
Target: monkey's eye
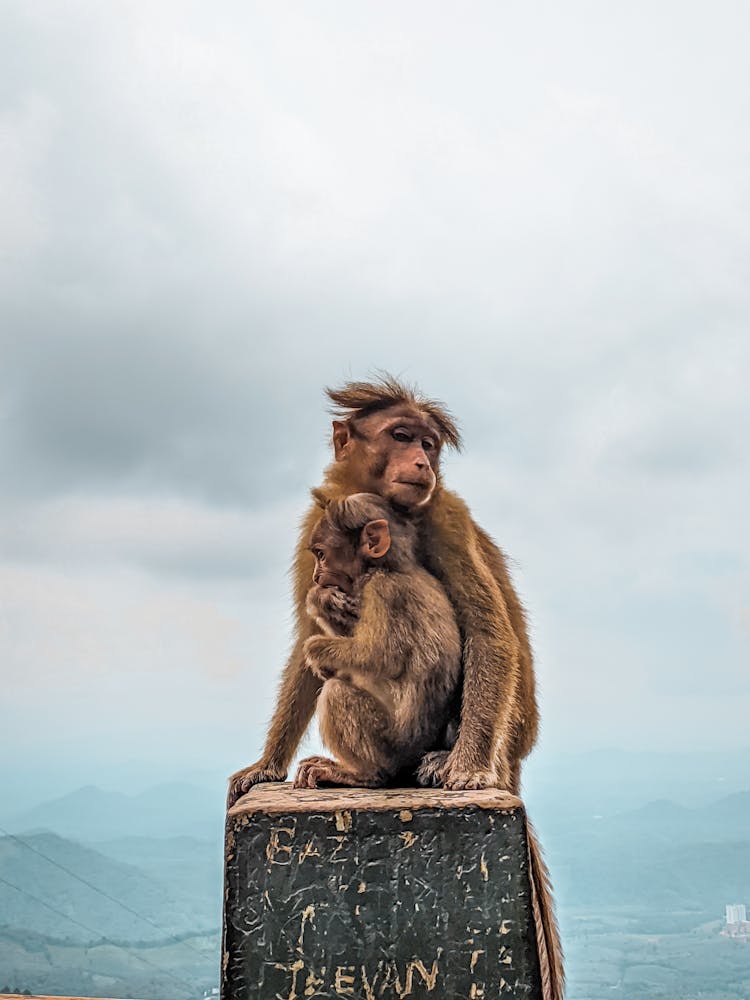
x=427 y=444
x=319 y=554
x=401 y=435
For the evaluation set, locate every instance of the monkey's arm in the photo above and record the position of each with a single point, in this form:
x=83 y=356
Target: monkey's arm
x=298 y=691
x=366 y=654
x=490 y=648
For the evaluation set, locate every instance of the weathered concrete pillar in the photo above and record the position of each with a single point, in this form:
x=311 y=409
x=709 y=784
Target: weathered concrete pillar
x=387 y=893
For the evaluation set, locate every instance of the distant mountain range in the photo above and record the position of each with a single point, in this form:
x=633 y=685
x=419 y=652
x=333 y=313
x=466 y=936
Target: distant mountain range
x=663 y=882
x=90 y=814
x=726 y=819
x=156 y=903
x=657 y=860
x=561 y=790
x=589 y=806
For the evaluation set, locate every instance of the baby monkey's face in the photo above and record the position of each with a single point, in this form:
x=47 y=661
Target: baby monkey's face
x=343 y=557
x=339 y=562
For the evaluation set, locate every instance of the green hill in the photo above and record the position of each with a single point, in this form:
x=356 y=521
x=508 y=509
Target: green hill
x=177 y=905
x=174 y=970
x=90 y=814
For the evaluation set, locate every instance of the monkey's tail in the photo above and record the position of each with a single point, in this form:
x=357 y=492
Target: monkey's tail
x=545 y=921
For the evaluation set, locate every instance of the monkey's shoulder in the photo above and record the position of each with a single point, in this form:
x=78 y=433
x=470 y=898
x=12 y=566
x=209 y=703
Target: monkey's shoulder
x=416 y=594
x=447 y=505
x=447 y=523
x=448 y=526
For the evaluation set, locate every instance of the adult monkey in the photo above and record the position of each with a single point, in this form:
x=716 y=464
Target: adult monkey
x=387 y=439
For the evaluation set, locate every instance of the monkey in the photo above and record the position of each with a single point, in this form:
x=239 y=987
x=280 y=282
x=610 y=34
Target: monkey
x=387 y=439
x=390 y=654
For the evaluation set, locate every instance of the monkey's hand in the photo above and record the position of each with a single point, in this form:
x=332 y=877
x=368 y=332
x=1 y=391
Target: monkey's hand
x=322 y=659
x=340 y=610
x=456 y=776
x=242 y=781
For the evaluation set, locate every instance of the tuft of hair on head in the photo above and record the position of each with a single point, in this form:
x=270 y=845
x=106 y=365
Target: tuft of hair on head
x=360 y=399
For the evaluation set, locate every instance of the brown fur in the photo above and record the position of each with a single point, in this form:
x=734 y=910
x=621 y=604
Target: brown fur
x=390 y=678
x=359 y=399
x=499 y=717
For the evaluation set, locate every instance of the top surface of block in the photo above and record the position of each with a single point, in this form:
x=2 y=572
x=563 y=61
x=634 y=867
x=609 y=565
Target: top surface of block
x=280 y=797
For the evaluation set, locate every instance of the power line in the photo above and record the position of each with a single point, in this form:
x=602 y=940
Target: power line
x=79 y=878
x=101 y=937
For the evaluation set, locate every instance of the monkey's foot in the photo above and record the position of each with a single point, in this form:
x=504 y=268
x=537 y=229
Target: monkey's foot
x=456 y=779
x=313 y=770
x=242 y=781
x=307 y=763
x=430 y=770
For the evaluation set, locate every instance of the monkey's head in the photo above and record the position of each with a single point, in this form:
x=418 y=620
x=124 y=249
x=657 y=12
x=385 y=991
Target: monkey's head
x=388 y=438
x=356 y=535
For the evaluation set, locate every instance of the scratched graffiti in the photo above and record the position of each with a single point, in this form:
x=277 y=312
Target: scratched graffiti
x=386 y=978
x=387 y=904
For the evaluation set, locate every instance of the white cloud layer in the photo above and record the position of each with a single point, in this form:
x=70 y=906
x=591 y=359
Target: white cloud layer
x=540 y=214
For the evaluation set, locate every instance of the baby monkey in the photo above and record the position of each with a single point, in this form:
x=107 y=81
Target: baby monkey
x=390 y=657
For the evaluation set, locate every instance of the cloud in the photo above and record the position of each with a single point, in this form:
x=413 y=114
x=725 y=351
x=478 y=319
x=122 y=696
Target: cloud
x=167 y=535
x=207 y=218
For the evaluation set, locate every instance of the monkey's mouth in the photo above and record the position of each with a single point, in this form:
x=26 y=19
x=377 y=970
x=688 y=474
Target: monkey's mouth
x=418 y=484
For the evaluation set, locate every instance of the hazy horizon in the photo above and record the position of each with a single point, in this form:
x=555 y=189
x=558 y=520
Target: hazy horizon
x=34 y=783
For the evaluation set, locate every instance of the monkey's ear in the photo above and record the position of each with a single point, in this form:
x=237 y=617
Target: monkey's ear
x=342 y=435
x=376 y=539
x=320 y=498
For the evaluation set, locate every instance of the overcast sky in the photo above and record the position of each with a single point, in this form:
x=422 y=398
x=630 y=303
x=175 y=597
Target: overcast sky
x=540 y=213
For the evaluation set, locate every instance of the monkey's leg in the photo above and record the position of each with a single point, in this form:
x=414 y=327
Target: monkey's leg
x=358 y=729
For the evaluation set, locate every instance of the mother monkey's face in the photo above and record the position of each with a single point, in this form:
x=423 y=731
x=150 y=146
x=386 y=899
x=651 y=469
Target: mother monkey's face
x=394 y=452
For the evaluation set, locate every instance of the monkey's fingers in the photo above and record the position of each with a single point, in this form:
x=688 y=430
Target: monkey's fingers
x=457 y=780
x=309 y=769
x=300 y=778
x=311 y=776
x=242 y=781
x=307 y=776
